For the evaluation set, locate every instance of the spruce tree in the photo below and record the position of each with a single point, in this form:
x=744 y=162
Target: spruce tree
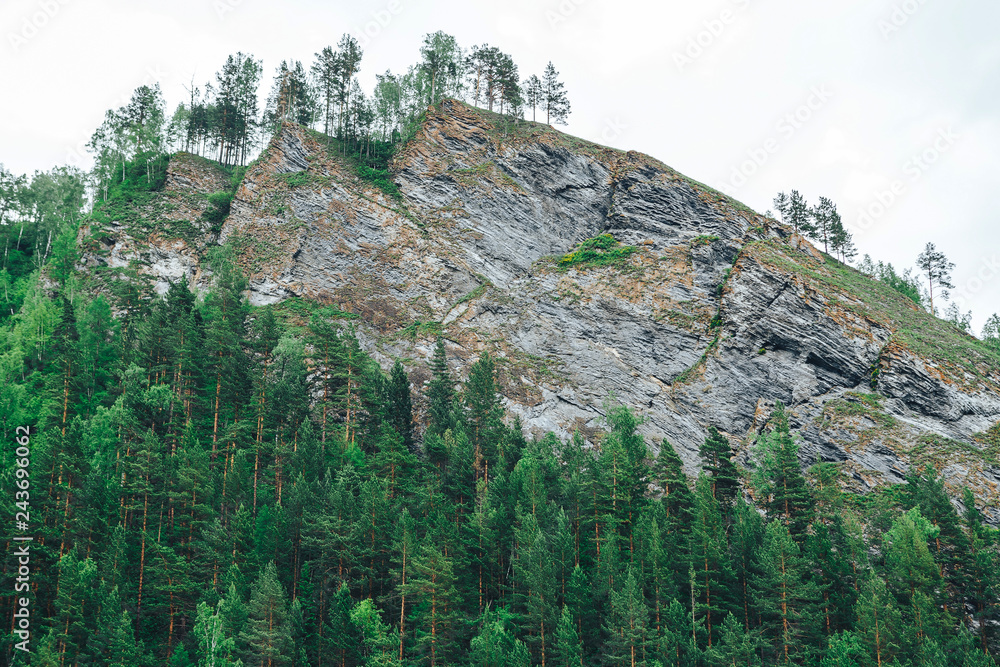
x=440 y=393
x=267 y=636
x=717 y=461
x=399 y=404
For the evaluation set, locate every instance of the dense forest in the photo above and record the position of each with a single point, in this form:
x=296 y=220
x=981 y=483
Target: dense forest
x=214 y=484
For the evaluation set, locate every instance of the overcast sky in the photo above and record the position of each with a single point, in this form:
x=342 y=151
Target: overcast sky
x=889 y=107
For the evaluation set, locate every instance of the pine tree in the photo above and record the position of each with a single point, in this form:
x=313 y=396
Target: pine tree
x=912 y=574
x=671 y=481
x=442 y=59
x=623 y=456
x=76 y=577
x=710 y=559
x=534 y=94
x=554 y=98
x=738 y=645
x=267 y=635
x=399 y=405
x=343 y=640
x=879 y=622
x=496 y=645
x=779 y=476
x=627 y=625
x=825 y=220
x=795 y=212
x=379 y=642
x=982 y=567
x=937 y=268
x=431 y=590
x=568 y=651
x=535 y=584
x=215 y=646
x=484 y=413
x=785 y=596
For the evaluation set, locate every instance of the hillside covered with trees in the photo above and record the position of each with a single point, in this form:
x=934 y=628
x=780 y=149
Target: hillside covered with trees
x=217 y=484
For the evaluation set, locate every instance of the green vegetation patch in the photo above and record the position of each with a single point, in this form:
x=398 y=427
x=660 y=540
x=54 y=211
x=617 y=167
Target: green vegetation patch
x=299 y=310
x=602 y=250
x=370 y=159
x=703 y=239
x=419 y=329
x=859 y=405
x=218 y=209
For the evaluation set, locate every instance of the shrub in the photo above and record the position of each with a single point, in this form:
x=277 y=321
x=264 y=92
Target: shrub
x=602 y=250
x=218 y=209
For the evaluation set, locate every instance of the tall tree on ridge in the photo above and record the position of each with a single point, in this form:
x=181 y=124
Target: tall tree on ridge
x=442 y=60
x=554 y=97
x=348 y=59
x=825 y=219
x=937 y=268
x=794 y=211
x=533 y=94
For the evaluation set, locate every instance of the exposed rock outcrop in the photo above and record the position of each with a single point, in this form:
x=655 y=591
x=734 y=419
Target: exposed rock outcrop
x=717 y=315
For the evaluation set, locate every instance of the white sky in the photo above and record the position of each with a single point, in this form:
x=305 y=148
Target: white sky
x=888 y=80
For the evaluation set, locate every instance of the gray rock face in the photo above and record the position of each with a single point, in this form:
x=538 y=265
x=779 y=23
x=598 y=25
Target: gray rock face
x=716 y=316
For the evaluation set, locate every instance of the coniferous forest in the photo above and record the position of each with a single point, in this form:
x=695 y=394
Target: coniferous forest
x=215 y=484
x=212 y=484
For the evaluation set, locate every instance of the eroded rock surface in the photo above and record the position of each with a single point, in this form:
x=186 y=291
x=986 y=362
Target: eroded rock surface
x=717 y=315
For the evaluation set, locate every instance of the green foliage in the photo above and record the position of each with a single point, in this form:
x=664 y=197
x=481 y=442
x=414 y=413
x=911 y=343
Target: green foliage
x=218 y=209
x=778 y=475
x=380 y=178
x=217 y=484
x=602 y=250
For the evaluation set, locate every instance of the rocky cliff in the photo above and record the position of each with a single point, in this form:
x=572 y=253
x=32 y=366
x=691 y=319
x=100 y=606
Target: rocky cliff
x=708 y=315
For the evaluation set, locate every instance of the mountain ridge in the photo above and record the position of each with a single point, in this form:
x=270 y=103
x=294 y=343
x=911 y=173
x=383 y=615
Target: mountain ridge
x=716 y=315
